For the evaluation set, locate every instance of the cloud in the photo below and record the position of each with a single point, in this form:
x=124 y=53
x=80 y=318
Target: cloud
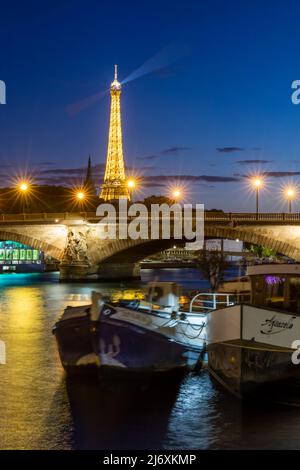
x=148 y=157
x=44 y=163
x=63 y=178
x=192 y=178
x=73 y=171
x=56 y=181
x=174 y=150
x=168 y=151
x=153 y=184
x=281 y=174
x=70 y=176
x=230 y=149
x=271 y=174
x=250 y=162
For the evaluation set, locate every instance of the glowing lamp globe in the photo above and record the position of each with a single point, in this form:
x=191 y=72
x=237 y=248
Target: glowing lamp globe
x=80 y=195
x=131 y=184
x=290 y=192
x=23 y=186
x=257 y=182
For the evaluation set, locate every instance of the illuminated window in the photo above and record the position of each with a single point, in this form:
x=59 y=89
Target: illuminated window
x=8 y=254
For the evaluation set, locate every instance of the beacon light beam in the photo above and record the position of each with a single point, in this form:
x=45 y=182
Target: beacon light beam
x=166 y=56
x=80 y=105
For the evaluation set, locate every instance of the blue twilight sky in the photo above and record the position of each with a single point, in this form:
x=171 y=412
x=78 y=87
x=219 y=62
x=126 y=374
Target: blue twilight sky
x=216 y=105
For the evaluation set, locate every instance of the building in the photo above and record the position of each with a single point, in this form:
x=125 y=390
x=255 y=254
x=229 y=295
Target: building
x=16 y=257
x=230 y=247
x=115 y=184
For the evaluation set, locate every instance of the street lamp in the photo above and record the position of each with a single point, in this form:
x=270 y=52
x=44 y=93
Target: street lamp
x=290 y=194
x=80 y=195
x=176 y=194
x=257 y=184
x=23 y=188
x=131 y=185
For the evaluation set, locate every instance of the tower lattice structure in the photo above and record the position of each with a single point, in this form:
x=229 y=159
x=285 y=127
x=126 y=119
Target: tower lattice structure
x=115 y=185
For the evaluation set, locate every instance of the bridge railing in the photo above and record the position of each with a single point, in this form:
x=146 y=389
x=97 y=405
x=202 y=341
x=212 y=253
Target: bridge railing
x=252 y=217
x=46 y=216
x=60 y=217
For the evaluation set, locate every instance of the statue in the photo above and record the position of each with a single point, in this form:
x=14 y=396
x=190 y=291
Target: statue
x=76 y=248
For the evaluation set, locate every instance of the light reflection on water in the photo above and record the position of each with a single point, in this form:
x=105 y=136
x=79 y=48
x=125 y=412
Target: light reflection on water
x=40 y=408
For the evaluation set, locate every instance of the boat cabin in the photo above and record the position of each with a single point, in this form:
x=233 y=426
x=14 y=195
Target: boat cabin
x=164 y=294
x=275 y=286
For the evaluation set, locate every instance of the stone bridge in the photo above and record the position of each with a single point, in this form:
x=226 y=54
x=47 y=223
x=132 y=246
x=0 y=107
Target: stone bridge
x=73 y=240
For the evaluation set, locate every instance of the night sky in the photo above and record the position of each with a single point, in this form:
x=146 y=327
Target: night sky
x=211 y=104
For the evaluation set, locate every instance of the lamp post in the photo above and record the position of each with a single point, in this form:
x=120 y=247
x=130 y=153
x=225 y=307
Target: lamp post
x=290 y=195
x=80 y=195
x=176 y=194
x=257 y=183
x=131 y=185
x=23 y=188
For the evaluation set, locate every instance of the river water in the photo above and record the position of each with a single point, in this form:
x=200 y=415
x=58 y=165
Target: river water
x=41 y=409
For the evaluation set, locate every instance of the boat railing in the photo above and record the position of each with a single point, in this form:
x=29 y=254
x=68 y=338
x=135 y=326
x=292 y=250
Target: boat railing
x=211 y=301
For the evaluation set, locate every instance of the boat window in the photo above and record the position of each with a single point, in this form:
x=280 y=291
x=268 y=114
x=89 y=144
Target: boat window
x=157 y=293
x=278 y=292
x=274 y=291
x=294 y=294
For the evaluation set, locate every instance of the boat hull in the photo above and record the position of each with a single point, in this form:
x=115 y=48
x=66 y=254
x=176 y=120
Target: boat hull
x=250 y=349
x=247 y=371
x=114 y=345
x=75 y=345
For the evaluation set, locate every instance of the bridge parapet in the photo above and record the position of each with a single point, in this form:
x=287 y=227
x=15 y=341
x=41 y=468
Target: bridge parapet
x=221 y=217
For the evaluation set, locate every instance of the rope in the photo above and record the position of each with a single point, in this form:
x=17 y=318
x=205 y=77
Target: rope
x=193 y=337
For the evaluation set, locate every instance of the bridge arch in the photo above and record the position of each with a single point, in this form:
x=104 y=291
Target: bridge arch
x=134 y=251
x=255 y=237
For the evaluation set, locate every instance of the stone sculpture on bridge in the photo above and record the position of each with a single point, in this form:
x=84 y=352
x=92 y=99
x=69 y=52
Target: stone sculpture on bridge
x=76 y=248
x=75 y=263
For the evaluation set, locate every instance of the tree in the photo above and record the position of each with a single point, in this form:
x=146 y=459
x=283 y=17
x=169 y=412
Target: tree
x=157 y=200
x=262 y=251
x=212 y=265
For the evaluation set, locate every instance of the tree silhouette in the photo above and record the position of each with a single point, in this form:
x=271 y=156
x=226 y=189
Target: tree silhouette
x=212 y=265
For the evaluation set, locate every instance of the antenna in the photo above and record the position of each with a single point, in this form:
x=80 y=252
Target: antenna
x=116 y=72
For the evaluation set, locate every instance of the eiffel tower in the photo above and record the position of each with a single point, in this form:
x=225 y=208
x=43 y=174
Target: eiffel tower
x=115 y=185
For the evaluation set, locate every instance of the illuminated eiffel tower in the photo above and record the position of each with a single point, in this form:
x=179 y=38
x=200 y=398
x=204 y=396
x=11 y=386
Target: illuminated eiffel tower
x=115 y=185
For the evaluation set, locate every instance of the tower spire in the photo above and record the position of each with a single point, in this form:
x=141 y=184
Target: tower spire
x=114 y=185
x=88 y=182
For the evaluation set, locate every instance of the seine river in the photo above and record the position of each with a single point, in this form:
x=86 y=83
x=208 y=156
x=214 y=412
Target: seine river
x=41 y=409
